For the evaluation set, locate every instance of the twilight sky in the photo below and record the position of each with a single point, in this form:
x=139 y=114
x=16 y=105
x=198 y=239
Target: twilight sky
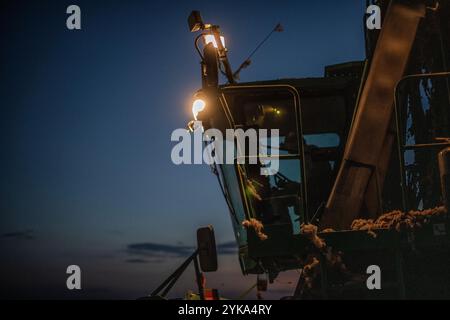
x=86 y=116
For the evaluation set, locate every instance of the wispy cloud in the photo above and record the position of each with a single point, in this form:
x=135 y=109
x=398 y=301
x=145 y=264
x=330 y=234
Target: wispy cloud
x=149 y=249
x=136 y=261
x=19 y=235
x=156 y=250
x=227 y=248
x=144 y=261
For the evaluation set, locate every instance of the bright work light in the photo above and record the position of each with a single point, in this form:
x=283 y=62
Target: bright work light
x=198 y=106
x=209 y=38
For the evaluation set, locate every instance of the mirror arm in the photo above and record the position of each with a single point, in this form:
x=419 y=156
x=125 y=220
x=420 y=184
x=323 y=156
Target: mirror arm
x=198 y=277
x=173 y=278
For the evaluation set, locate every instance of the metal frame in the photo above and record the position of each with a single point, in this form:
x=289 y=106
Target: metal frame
x=168 y=284
x=400 y=138
x=301 y=155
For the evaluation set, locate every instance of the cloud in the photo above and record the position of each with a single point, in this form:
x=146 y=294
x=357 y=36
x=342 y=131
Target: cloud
x=144 y=261
x=137 y=261
x=149 y=249
x=19 y=235
x=152 y=250
x=227 y=248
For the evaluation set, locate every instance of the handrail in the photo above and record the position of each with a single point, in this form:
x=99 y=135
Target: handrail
x=402 y=147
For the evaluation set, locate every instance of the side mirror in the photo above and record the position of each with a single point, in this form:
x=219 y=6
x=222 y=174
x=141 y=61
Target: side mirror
x=195 y=21
x=207 y=253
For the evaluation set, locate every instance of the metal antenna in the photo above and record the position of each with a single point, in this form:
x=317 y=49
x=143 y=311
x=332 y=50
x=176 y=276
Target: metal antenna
x=247 y=62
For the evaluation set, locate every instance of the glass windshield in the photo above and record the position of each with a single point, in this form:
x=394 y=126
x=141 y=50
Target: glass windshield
x=277 y=198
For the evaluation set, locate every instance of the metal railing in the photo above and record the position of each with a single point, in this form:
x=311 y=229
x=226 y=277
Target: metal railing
x=402 y=147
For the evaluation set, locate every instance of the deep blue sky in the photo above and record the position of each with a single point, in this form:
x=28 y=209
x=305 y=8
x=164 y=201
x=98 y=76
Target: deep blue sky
x=86 y=118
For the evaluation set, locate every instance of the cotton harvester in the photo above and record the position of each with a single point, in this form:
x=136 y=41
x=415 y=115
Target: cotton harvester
x=364 y=161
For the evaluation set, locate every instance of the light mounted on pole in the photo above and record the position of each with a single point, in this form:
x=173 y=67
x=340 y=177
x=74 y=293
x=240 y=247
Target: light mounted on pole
x=211 y=39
